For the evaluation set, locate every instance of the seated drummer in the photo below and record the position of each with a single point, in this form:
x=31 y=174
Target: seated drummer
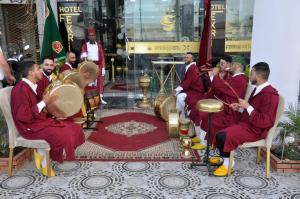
x=70 y=62
x=33 y=123
x=220 y=90
x=258 y=116
x=191 y=87
x=48 y=68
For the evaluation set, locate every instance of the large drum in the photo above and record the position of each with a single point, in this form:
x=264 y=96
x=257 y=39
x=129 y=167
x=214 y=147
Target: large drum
x=163 y=105
x=69 y=101
x=89 y=71
x=72 y=76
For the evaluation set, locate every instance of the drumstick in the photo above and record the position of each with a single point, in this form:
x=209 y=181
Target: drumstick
x=237 y=96
x=222 y=101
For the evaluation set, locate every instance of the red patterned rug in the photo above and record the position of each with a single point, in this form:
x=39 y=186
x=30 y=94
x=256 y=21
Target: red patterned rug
x=125 y=87
x=131 y=136
x=130 y=132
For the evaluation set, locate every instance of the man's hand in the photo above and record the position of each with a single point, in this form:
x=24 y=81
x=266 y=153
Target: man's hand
x=235 y=106
x=49 y=99
x=244 y=103
x=10 y=79
x=215 y=70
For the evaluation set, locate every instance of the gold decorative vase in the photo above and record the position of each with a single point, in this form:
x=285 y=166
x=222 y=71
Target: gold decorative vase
x=144 y=83
x=186 y=143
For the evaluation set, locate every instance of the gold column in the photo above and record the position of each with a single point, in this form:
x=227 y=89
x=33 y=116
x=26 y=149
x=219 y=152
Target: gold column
x=112 y=69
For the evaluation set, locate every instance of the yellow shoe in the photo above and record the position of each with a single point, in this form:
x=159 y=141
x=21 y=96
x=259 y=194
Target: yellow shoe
x=221 y=171
x=198 y=147
x=215 y=160
x=44 y=171
x=37 y=159
x=196 y=140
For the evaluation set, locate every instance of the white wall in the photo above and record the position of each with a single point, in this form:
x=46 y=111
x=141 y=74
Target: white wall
x=276 y=40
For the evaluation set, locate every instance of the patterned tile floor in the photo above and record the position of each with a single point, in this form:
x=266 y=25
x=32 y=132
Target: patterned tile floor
x=150 y=180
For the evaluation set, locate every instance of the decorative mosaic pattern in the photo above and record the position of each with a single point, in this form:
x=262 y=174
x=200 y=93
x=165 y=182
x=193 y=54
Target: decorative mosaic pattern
x=252 y=183
x=96 y=183
x=136 y=168
x=135 y=193
x=21 y=183
x=71 y=168
x=130 y=128
x=174 y=182
x=155 y=180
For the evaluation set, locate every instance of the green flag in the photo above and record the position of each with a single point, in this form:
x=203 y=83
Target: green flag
x=52 y=42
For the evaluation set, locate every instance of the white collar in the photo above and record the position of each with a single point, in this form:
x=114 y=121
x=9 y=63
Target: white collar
x=32 y=85
x=48 y=77
x=260 y=87
x=91 y=44
x=238 y=74
x=70 y=65
x=188 y=66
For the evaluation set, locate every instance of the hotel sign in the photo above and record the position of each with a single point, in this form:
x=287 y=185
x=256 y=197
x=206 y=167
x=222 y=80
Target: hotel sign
x=162 y=47
x=68 y=12
x=12 y=1
x=238 y=46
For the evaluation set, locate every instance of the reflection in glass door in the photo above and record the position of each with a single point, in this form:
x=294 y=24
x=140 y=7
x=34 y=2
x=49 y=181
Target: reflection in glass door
x=160 y=30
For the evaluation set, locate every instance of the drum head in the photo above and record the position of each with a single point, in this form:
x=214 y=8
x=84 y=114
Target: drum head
x=74 y=77
x=89 y=71
x=209 y=105
x=69 y=100
x=168 y=104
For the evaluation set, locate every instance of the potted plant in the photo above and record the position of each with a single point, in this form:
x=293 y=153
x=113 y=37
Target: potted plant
x=289 y=135
x=285 y=152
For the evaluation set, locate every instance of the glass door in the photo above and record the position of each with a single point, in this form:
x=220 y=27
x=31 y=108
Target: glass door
x=158 y=33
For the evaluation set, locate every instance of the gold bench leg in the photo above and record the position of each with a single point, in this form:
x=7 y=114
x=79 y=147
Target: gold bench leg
x=10 y=161
x=230 y=162
x=48 y=162
x=258 y=155
x=268 y=162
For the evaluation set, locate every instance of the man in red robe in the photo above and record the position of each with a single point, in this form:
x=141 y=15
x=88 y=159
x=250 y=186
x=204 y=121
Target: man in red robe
x=258 y=116
x=191 y=87
x=220 y=89
x=33 y=123
x=225 y=63
x=93 y=51
x=70 y=62
x=48 y=67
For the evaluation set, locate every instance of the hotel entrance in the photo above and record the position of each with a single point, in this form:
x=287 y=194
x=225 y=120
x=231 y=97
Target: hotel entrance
x=150 y=37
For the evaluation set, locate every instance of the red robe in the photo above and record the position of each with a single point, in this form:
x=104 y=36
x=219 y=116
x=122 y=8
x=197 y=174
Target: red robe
x=42 y=85
x=101 y=64
x=34 y=125
x=192 y=85
x=226 y=117
x=64 y=67
x=255 y=126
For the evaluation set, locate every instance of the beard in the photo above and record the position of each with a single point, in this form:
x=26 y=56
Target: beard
x=253 y=82
x=48 y=72
x=73 y=64
x=188 y=62
x=92 y=41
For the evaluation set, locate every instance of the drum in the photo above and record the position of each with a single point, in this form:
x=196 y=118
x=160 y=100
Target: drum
x=163 y=105
x=173 y=124
x=209 y=105
x=70 y=76
x=69 y=101
x=89 y=71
